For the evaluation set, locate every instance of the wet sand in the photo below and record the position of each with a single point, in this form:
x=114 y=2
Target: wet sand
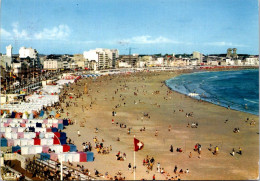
x=164 y=111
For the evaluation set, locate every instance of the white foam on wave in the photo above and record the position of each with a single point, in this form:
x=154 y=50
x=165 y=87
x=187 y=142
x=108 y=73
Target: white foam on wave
x=251 y=101
x=213 y=77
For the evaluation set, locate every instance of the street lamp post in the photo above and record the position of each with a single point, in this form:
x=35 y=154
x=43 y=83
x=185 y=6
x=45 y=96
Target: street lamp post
x=61 y=165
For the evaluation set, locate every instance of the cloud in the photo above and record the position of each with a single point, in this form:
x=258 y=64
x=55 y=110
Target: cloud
x=146 y=39
x=82 y=41
x=5 y=34
x=223 y=43
x=59 y=32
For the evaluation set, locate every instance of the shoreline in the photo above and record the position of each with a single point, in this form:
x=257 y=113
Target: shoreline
x=163 y=106
x=202 y=98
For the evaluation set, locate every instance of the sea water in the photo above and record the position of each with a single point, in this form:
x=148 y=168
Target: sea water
x=238 y=90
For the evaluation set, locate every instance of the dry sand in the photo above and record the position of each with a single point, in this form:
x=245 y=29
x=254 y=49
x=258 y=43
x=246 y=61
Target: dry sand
x=211 y=129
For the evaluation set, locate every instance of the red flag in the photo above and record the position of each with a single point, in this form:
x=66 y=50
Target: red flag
x=138 y=144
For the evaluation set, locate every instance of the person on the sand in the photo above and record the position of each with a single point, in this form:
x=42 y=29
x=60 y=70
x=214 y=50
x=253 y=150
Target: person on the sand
x=156 y=133
x=171 y=149
x=233 y=152
x=240 y=151
x=129 y=166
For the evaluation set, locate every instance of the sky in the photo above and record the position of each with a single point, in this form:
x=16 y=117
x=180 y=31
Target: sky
x=145 y=26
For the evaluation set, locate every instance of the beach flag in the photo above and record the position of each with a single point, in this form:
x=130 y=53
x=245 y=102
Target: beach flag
x=138 y=144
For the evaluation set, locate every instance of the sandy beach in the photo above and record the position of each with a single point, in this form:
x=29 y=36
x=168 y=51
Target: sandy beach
x=164 y=107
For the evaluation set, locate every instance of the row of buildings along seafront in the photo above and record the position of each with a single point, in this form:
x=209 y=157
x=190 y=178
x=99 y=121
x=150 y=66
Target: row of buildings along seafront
x=31 y=67
x=100 y=58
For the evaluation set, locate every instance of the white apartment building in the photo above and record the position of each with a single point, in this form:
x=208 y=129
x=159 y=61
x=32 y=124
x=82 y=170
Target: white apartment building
x=230 y=62
x=65 y=64
x=213 y=62
x=160 y=61
x=238 y=62
x=122 y=64
x=82 y=64
x=251 y=61
x=198 y=56
x=113 y=55
x=91 y=55
x=141 y=64
x=17 y=67
x=104 y=58
x=193 y=62
x=20 y=67
x=9 y=51
x=52 y=65
x=27 y=52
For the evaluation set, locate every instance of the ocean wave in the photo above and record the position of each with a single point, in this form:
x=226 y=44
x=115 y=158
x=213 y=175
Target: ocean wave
x=213 y=77
x=254 y=102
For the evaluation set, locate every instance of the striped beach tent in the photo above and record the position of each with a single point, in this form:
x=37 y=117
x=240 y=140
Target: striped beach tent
x=13 y=115
x=52 y=113
x=4 y=115
x=25 y=116
x=31 y=116
x=17 y=115
x=42 y=113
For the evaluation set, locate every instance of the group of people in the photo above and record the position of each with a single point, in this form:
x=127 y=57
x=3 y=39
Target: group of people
x=82 y=169
x=193 y=125
x=149 y=162
x=103 y=150
x=86 y=146
x=120 y=156
x=189 y=114
x=239 y=151
x=236 y=130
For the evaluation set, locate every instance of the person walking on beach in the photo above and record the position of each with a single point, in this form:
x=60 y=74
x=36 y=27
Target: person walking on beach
x=190 y=155
x=170 y=127
x=216 y=150
x=129 y=166
x=153 y=176
x=233 y=152
x=158 y=167
x=171 y=149
x=156 y=133
x=78 y=133
x=240 y=151
x=175 y=169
